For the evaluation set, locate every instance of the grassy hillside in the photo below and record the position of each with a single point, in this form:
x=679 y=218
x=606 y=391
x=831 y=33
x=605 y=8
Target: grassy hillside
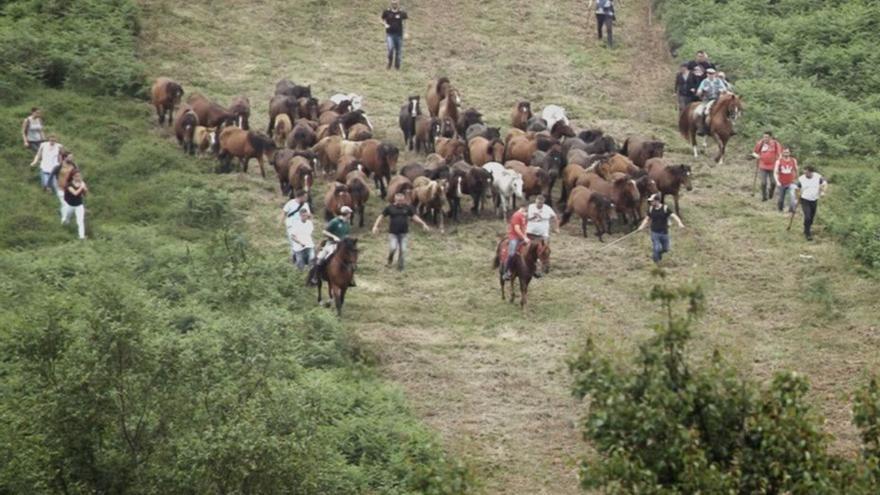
x=490 y=379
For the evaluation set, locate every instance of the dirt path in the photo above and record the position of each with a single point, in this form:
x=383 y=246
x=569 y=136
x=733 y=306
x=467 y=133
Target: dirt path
x=490 y=379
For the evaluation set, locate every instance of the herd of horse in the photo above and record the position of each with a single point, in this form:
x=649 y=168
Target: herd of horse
x=462 y=156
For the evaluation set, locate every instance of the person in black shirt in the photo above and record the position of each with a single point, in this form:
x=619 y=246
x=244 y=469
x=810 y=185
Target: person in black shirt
x=682 y=89
x=658 y=216
x=399 y=213
x=393 y=19
x=701 y=60
x=74 y=191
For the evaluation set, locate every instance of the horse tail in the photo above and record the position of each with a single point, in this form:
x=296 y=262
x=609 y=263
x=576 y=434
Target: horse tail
x=624 y=149
x=684 y=122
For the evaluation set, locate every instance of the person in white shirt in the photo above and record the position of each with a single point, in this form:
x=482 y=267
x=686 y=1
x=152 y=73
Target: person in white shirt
x=811 y=187
x=538 y=217
x=49 y=156
x=297 y=218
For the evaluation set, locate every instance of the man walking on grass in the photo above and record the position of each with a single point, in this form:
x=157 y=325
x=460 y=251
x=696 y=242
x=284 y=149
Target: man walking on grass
x=767 y=151
x=812 y=186
x=785 y=172
x=399 y=213
x=659 y=215
x=393 y=18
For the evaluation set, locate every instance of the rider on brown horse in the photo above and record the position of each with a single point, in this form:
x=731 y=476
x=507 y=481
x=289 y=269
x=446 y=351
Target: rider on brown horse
x=516 y=233
x=710 y=89
x=335 y=231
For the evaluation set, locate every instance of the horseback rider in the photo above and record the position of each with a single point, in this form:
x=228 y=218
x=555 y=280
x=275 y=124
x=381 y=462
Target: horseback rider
x=335 y=231
x=702 y=61
x=516 y=233
x=710 y=89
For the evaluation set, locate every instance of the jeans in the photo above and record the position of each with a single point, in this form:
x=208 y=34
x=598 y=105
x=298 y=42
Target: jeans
x=786 y=192
x=34 y=145
x=809 y=208
x=395 y=49
x=80 y=212
x=47 y=180
x=606 y=20
x=303 y=257
x=397 y=243
x=768 y=184
x=660 y=245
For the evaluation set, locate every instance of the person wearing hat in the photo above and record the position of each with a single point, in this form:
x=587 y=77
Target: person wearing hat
x=658 y=216
x=393 y=18
x=811 y=187
x=710 y=89
x=681 y=88
x=335 y=231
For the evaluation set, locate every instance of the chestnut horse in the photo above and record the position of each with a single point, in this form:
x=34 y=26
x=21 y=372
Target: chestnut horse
x=521 y=114
x=210 y=113
x=339 y=272
x=166 y=94
x=532 y=261
x=724 y=113
x=589 y=205
x=360 y=193
x=244 y=145
x=437 y=90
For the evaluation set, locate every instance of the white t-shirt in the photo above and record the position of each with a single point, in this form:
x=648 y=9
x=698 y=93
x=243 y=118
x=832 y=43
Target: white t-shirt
x=539 y=220
x=50 y=155
x=810 y=187
x=296 y=226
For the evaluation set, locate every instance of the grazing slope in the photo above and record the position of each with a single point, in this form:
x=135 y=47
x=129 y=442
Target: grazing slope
x=489 y=378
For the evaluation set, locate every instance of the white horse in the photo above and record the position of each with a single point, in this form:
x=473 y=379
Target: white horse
x=506 y=185
x=552 y=114
x=357 y=101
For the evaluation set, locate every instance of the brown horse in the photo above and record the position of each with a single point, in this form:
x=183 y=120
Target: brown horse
x=427 y=130
x=289 y=88
x=244 y=145
x=166 y=94
x=329 y=151
x=724 y=113
x=532 y=261
x=520 y=115
x=282 y=129
x=536 y=180
x=622 y=164
x=281 y=104
x=483 y=151
x=359 y=132
x=210 y=114
x=302 y=136
x=241 y=109
x=301 y=175
x=185 y=127
x=620 y=188
x=359 y=192
x=428 y=198
x=449 y=106
x=669 y=178
x=437 y=91
x=399 y=185
x=348 y=164
x=339 y=272
x=380 y=158
x=307 y=107
x=407 y=121
x=335 y=198
x=589 y=205
x=464 y=178
x=451 y=149
x=640 y=149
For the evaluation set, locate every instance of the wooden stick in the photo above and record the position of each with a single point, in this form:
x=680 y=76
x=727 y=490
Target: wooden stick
x=618 y=240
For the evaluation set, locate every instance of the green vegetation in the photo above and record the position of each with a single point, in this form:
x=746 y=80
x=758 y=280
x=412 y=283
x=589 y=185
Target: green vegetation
x=806 y=69
x=668 y=425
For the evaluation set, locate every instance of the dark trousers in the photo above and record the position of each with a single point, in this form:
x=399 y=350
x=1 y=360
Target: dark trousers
x=809 y=208
x=768 y=184
x=606 y=20
x=395 y=47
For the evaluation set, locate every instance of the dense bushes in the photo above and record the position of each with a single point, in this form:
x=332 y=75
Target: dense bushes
x=664 y=425
x=853 y=214
x=805 y=68
x=87 y=45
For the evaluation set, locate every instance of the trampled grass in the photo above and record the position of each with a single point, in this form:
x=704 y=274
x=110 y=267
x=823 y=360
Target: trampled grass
x=490 y=378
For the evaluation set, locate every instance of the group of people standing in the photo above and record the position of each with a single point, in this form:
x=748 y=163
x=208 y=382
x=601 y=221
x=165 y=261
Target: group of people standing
x=779 y=170
x=59 y=173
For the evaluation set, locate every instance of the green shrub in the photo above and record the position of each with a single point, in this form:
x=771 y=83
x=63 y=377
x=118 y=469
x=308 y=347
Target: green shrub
x=664 y=425
x=853 y=214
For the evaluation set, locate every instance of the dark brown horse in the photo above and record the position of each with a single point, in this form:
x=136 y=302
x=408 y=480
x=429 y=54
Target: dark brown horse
x=399 y=185
x=244 y=145
x=281 y=104
x=407 y=121
x=346 y=165
x=184 y=129
x=532 y=261
x=640 y=149
x=210 y=114
x=427 y=130
x=302 y=136
x=380 y=158
x=723 y=114
x=307 y=107
x=287 y=87
x=466 y=119
x=521 y=114
x=165 y=94
x=589 y=205
x=465 y=179
x=339 y=272
x=241 y=109
x=359 y=190
x=335 y=198
x=669 y=178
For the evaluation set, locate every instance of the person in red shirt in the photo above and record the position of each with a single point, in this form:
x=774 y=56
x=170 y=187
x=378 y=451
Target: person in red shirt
x=767 y=151
x=516 y=233
x=785 y=173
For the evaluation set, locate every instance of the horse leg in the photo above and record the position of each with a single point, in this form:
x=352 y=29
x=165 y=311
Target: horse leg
x=501 y=280
x=262 y=170
x=719 y=158
x=524 y=293
x=584 y=227
x=340 y=300
x=243 y=164
x=320 y=283
x=677 y=211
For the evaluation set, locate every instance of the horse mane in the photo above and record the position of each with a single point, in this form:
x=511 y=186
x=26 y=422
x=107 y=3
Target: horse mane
x=439 y=86
x=260 y=142
x=601 y=202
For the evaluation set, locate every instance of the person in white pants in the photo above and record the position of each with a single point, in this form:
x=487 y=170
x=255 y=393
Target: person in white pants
x=74 y=191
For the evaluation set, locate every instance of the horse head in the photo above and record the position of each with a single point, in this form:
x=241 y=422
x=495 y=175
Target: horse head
x=683 y=173
x=517 y=186
x=388 y=154
x=414 y=109
x=525 y=108
x=561 y=129
x=348 y=252
x=436 y=128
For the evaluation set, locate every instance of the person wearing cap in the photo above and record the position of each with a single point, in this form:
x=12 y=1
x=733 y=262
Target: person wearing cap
x=49 y=155
x=658 y=216
x=710 y=89
x=682 y=89
x=335 y=231
x=297 y=218
x=785 y=172
x=399 y=214
x=767 y=151
x=393 y=18
x=811 y=186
